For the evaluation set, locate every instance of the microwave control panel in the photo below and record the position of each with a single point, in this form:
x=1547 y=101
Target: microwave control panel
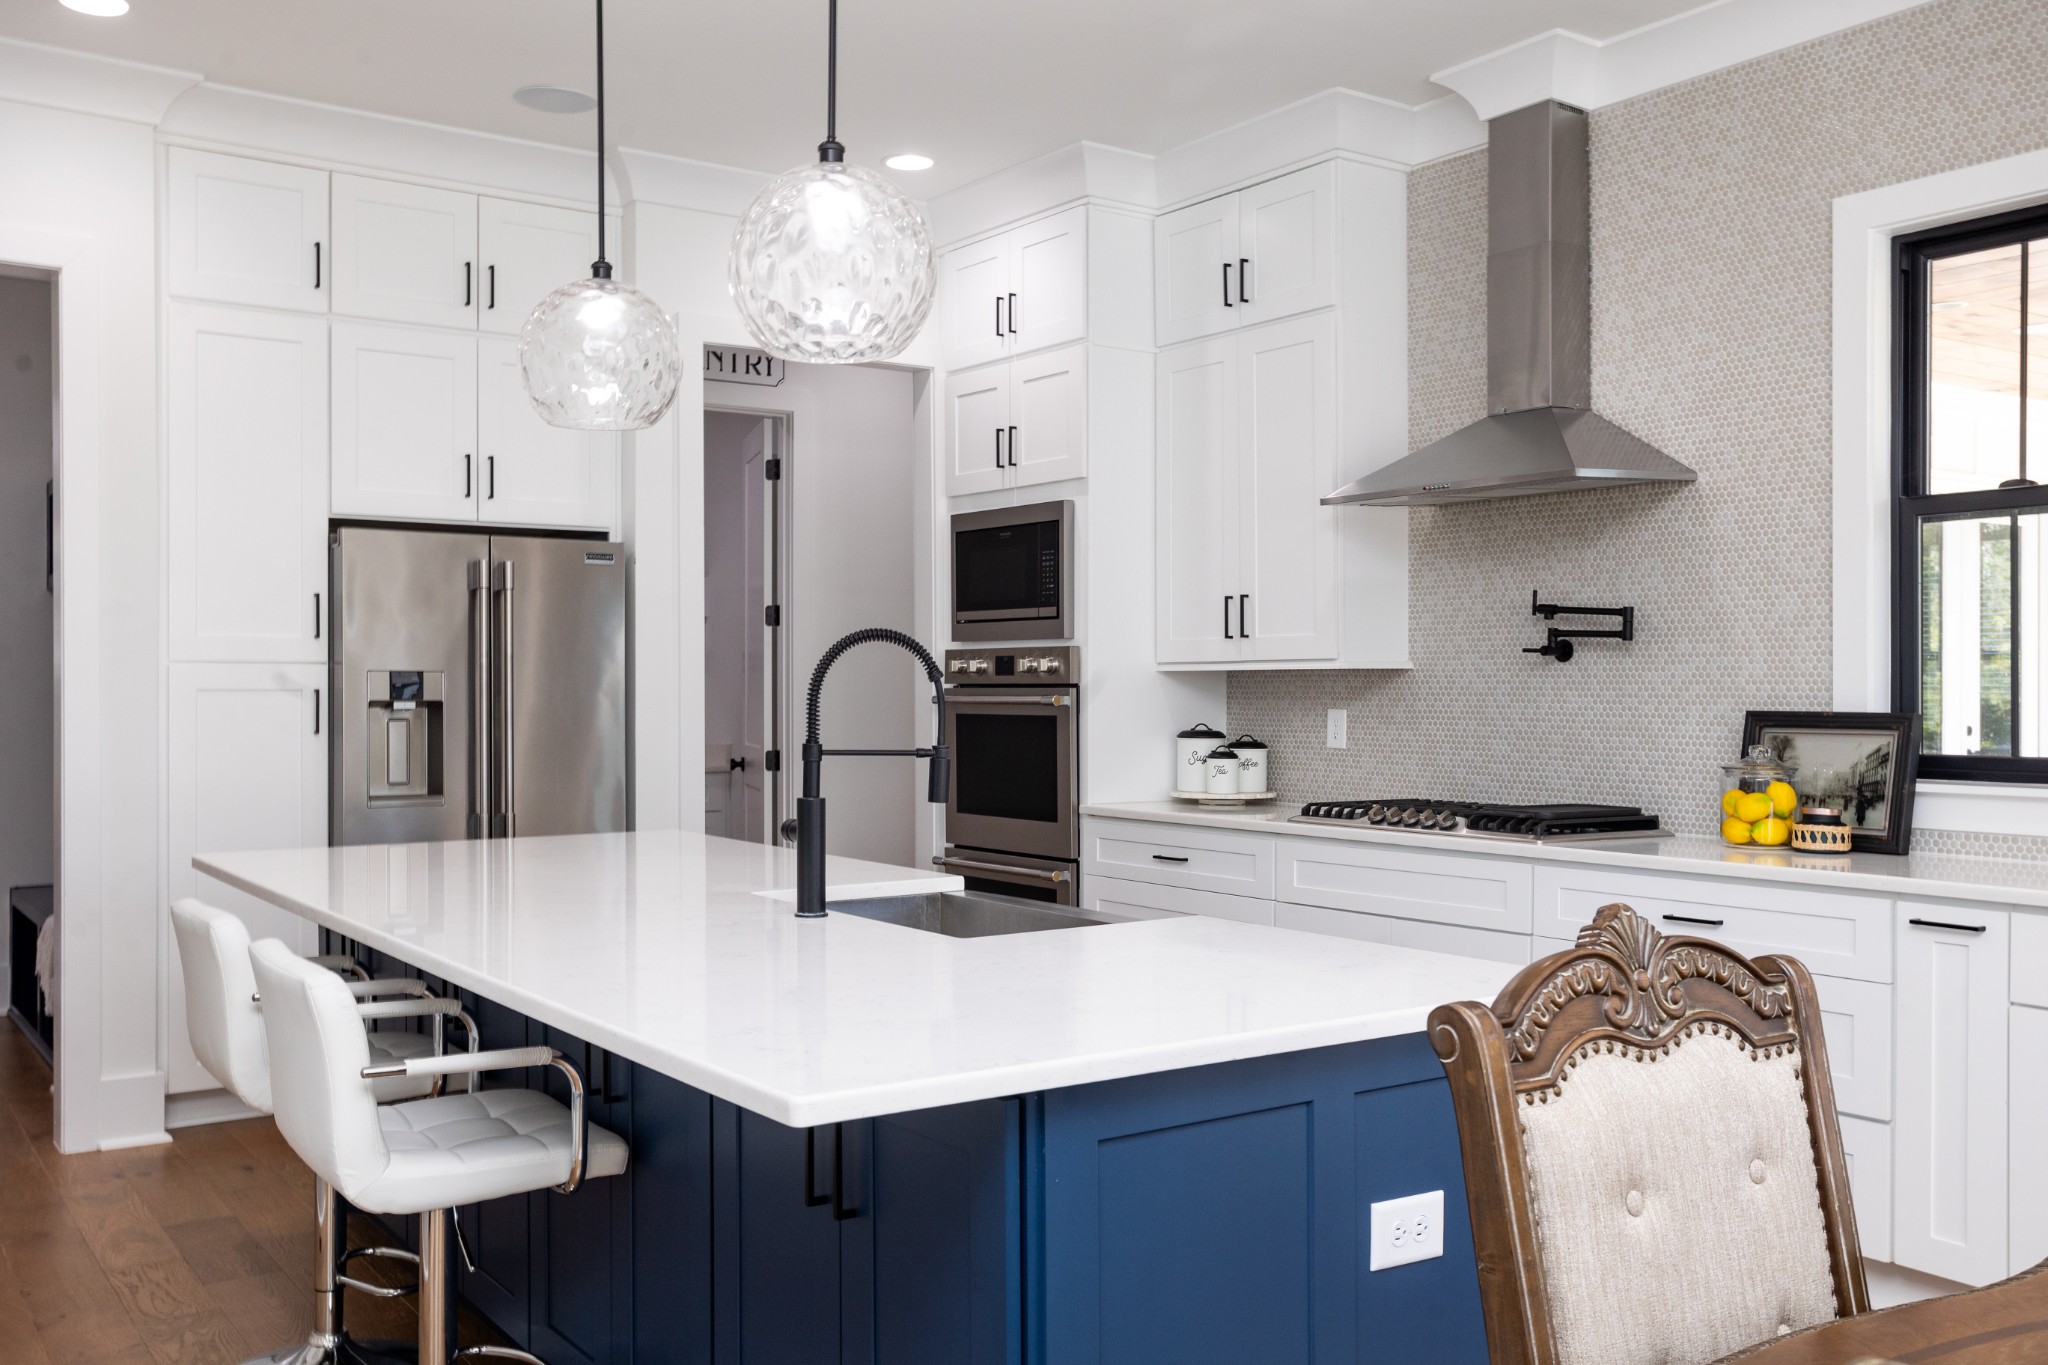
x=1022 y=666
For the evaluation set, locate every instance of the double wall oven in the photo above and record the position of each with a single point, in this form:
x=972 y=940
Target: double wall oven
x=1012 y=719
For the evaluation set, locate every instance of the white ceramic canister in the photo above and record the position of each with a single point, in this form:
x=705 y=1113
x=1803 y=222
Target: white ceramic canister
x=1192 y=747
x=1254 y=775
x=1221 y=772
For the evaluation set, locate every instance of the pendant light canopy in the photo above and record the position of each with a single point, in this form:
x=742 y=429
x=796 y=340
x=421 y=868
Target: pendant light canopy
x=831 y=263
x=598 y=355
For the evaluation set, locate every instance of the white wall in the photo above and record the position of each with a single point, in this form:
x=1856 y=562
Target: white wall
x=27 y=702
x=726 y=626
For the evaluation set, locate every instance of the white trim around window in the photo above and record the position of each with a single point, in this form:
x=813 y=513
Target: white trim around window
x=1864 y=226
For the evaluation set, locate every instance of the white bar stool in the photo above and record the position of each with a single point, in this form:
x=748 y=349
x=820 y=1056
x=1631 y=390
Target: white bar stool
x=226 y=1026
x=425 y=1156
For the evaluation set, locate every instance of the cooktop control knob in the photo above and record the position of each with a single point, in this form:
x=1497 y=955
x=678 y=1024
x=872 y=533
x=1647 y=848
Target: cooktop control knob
x=1049 y=664
x=1027 y=665
x=977 y=665
x=959 y=665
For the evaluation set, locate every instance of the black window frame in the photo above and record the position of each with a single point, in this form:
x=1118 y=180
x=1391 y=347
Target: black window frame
x=1913 y=255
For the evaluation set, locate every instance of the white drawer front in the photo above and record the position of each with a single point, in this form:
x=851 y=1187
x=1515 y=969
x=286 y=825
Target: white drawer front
x=1404 y=933
x=2030 y=957
x=1178 y=855
x=1142 y=900
x=1856 y=1021
x=1478 y=893
x=1868 y=1147
x=1833 y=933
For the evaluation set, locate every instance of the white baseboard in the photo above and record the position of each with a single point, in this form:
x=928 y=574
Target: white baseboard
x=204 y=1106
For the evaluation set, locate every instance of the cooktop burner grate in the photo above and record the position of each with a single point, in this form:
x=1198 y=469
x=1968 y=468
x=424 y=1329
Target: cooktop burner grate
x=1552 y=823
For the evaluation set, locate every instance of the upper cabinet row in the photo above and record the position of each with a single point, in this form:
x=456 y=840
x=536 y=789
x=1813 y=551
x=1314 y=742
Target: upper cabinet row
x=1023 y=290
x=1245 y=258
x=279 y=236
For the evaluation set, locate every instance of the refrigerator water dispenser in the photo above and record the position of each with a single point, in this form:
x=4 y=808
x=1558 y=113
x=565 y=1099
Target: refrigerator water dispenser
x=403 y=728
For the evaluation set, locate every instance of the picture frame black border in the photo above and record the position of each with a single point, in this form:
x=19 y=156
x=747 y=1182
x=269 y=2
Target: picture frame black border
x=1905 y=729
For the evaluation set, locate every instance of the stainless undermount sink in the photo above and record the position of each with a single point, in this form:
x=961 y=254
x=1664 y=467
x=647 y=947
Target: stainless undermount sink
x=963 y=914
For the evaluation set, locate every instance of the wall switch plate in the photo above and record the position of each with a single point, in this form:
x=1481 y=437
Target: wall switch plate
x=1334 y=732
x=1409 y=1229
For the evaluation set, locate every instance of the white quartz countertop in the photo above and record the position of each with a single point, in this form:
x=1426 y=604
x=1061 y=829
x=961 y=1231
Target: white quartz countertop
x=1931 y=875
x=682 y=952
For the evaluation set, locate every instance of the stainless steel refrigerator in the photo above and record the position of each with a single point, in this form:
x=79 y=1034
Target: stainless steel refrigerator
x=479 y=685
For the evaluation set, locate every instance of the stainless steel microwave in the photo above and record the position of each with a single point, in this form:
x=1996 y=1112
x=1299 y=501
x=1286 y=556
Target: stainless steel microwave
x=1013 y=573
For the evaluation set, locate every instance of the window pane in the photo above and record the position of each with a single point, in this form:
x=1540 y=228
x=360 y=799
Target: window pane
x=1974 y=685
x=2037 y=361
x=1974 y=334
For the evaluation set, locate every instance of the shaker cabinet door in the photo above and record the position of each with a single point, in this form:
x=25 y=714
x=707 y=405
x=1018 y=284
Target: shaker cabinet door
x=1048 y=305
x=245 y=407
x=1048 y=432
x=1287 y=550
x=533 y=474
x=245 y=231
x=974 y=303
x=1288 y=248
x=404 y=253
x=978 y=430
x=1197 y=503
x=1195 y=271
x=404 y=423
x=526 y=252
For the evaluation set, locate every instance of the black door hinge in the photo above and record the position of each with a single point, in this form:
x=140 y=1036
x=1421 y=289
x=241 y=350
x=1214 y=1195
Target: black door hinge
x=774 y=469
x=774 y=615
x=771 y=761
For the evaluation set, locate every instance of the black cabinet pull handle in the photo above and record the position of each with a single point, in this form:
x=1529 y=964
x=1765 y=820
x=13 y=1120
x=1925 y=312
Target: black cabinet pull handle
x=812 y=1199
x=466 y=486
x=50 y=536
x=491 y=275
x=1244 y=600
x=999 y=447
x=316 y=615
x=1226 y=618
x=999 y=315
x=491 y=476
x=841 y=1210
x=1243 y=269
x=1013 y=315
x=1226 y=286
x=1691 y=919
x=465 y=284
x=1944 y=924
x=1167 y=858
x=316 y=710
x=1013 y=447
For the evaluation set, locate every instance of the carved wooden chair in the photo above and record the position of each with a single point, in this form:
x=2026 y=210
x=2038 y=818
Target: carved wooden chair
x=1651 y=1152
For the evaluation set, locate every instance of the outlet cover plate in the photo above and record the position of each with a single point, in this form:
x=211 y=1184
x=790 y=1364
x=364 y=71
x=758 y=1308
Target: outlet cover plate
x=1407 y=1229
x=1336 y=724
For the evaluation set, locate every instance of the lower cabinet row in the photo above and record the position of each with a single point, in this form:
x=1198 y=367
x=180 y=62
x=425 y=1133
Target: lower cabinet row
x=1213 y=1214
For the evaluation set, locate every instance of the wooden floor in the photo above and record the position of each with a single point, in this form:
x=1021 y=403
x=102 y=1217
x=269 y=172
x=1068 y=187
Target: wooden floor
x=195 y=1252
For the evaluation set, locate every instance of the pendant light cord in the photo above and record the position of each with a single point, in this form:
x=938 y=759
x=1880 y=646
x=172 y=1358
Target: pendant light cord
x=600 y=269
x=829 y=149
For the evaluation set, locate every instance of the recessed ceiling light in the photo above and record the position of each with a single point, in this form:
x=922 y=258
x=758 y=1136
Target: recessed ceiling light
x=908 y=161
x=549 y=99
x=98 y=9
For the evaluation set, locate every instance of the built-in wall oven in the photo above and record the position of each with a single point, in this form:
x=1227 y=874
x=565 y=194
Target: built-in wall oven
x=1013 y=570
x=1013 y=721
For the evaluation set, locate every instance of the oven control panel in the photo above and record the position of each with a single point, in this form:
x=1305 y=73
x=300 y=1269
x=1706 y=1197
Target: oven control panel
x=1023 y=666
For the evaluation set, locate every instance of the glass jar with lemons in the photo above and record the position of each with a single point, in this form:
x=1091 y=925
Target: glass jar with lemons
x=1757 y=800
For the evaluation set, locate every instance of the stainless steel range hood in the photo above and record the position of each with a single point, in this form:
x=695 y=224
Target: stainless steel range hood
x=1542 y=435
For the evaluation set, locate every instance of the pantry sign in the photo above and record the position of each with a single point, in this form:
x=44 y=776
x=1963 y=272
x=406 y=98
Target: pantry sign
x=741 y=365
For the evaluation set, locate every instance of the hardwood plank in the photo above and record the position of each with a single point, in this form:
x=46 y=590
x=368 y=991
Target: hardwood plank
x=117 y=1227
x=270 y=1311
x=20 y=1344
x=58 y=1277
x=206 y=1338
x=178 y=1193
x=220 y=1249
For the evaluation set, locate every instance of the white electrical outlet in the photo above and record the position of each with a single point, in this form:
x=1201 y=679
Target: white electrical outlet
x=1339 y=722
x=1410 y=1229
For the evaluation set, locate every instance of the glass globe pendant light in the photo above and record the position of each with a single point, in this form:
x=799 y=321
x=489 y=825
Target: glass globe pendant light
x=831 y=263
x=597 y=355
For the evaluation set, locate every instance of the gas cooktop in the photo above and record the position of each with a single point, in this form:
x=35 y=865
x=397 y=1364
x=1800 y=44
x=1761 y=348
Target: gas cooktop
x=1537 y=824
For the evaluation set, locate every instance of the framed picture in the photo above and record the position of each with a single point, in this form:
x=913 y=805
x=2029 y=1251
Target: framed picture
x=1862 y=763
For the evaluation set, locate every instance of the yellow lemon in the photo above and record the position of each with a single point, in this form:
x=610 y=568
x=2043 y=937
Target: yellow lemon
x=1783 y=799
x=1751 y=807
x=1728 y=800
x=1735 y=831
x=1770 y=831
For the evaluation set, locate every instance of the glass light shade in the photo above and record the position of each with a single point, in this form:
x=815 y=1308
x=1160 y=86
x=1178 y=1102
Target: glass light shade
x=599 y=356
x=832 y=264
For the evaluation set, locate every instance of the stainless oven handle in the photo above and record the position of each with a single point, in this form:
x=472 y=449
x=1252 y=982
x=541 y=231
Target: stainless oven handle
x=1003 y=870
x=957 y=699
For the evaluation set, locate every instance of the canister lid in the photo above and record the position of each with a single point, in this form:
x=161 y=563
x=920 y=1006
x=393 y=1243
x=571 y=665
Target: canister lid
x=1223 y=751
x=1246 y=742
x=1199 y=731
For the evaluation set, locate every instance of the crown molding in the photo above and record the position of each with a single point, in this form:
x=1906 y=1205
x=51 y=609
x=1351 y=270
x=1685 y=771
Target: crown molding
x=1089 y=171
x=1592 y=73
x=658 y=178
x=59 y=78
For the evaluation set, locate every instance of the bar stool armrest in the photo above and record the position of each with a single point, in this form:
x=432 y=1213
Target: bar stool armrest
x=407 y=1009
x=340 y=962
x=508 y=1059
x=389 y=985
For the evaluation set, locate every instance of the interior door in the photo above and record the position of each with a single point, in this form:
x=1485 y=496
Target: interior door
x=1191 y=248
x=1049 y=276
x=244 y=231
x=246 y=483
x=528 y=251
x=977 y=430
x=404 y=442
x=1287 y=460
x=1048 y=431
x=533 y=474
x=974 y=303
x=1197 y=493
x=754 y=797
x=404 y=253
x=1287 y=250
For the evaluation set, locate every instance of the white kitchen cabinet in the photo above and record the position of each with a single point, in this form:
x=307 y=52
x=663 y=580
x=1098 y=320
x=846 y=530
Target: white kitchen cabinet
x=1856 y=1024
x=1018 y=423
x=1246 y=258
x=245 y=408
x=1405 y=933
x=527 y=251
x=246 y=231
x=405 y=423
x=1867 y=1147
x=1178 y=855
x=1442 y=888
x=1143 y=900
x=533 y=474
x=1247 y=445
x=1020 y=291
x=404 y=253
x=2028 y=1134
x=1949 y=1134
x=246 y=769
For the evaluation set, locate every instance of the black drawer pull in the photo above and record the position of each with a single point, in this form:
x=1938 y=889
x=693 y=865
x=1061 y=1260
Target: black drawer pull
x=1944 y=924
x=1166 y=858
x=1692 y=919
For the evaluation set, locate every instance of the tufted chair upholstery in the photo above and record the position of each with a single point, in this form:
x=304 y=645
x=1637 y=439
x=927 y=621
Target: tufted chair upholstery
x=1651 y=1150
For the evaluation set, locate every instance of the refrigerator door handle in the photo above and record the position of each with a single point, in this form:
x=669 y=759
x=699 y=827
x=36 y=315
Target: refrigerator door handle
x=479 y=699
x=508 y=814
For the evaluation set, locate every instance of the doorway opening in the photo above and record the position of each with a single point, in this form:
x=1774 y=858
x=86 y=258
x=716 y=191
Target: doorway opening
x=744 y=697
x=28 y=702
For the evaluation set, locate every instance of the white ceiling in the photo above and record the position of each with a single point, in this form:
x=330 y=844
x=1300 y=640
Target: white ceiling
x=976 y=84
